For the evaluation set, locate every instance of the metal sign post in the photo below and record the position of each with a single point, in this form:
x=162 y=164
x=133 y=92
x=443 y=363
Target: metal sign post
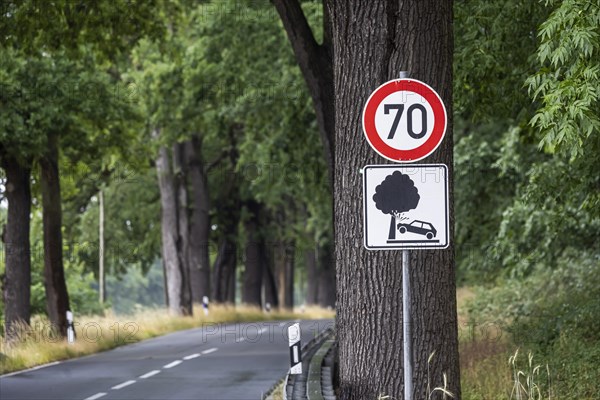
x=406 y=322
x=406 y=326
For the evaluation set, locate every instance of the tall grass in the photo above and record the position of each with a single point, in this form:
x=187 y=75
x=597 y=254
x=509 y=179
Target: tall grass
x=36 y=344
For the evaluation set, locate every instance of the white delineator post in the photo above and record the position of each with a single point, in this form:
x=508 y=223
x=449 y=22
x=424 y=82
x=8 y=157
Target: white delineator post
x=70 y=327
x=406 y=320
x=295 y=345
x=205 y=304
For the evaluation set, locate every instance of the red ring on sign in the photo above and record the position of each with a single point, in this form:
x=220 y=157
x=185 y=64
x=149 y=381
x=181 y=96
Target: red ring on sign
x=439 y=120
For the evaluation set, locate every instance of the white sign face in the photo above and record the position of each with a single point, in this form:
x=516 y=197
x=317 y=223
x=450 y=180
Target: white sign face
x=406 y=207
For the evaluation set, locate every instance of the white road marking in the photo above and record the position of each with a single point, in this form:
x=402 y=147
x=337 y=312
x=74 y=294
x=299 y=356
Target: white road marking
x=240 y=340
x=96 y=396
x=173 y=364
x=122 y=385
x=210 y=350
x=263 y=330
x=191 y=356
x=281 y=324
x=149 y=374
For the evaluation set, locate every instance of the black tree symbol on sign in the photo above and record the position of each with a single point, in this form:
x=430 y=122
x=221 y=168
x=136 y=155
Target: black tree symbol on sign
x=396 y=195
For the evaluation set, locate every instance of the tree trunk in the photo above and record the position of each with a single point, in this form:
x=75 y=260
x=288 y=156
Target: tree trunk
x=226 y=262
x=199 y=263
x=17 y=251
x=101 y=284
x=312 y=277
x=172 y=263
x=289 y=265
x=373 y=41
x=183 y=227
x=224 y=271
x=326 y=276
x=270 y=287
x=254 y=256
x=57 y=297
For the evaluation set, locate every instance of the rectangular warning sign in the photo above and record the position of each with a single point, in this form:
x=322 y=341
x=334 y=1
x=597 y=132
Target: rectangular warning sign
x=406 y=207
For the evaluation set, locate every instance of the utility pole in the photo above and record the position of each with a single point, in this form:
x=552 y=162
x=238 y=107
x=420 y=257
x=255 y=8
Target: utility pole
x=101 y=247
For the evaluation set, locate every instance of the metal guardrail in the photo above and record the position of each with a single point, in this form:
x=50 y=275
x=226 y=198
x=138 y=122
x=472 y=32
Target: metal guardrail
x=310 y=385
x=315 y=372
x=317 y=357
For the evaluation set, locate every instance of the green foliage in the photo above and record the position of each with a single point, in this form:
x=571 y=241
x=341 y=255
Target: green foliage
x=131 y=228
x=137 y=289
x=109 y=27
x=568 y=83
x=517 y=208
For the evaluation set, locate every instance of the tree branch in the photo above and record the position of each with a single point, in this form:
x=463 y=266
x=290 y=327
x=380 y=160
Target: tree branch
x=316 y=63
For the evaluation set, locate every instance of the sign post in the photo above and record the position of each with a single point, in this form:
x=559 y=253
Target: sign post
x=405 y=120
x=406 y=321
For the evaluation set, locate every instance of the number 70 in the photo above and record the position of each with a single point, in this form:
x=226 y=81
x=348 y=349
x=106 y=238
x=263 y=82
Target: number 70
x=409 y=123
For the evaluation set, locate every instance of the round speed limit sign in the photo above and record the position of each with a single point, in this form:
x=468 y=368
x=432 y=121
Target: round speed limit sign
x=404 y=120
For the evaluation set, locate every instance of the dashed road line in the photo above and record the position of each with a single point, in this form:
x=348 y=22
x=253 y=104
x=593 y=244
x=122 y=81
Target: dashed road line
x=149 y=374
x=122 y=385
x=191 y=356
x=173 y=364
x=210 y=350
x=96 y=396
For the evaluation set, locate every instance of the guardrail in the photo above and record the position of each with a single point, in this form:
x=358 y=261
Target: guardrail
x=315 y=382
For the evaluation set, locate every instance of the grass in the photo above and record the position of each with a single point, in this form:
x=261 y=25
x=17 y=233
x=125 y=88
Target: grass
x=521 y=360
x=36 y=345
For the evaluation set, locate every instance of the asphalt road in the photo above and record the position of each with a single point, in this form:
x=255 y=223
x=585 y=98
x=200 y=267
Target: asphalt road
x=235 y=361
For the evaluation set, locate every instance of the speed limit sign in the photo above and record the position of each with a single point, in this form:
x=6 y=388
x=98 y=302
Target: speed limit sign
x=404 y=120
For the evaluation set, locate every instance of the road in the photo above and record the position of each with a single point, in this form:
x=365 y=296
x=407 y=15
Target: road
x=234 y=361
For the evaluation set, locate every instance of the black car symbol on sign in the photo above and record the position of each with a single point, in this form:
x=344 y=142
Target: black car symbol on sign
x=418 y=227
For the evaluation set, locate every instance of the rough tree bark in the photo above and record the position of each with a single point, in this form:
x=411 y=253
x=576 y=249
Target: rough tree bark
x=172 y=263
x=373 y=41
x=57 y=297
x=254 y=256
x=17 y=251
x=199 y=263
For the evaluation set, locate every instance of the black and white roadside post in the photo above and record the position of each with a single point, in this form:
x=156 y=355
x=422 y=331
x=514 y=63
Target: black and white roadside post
x=70 y=328
x=295 y=347
x=405 y=207
x=205 y=304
